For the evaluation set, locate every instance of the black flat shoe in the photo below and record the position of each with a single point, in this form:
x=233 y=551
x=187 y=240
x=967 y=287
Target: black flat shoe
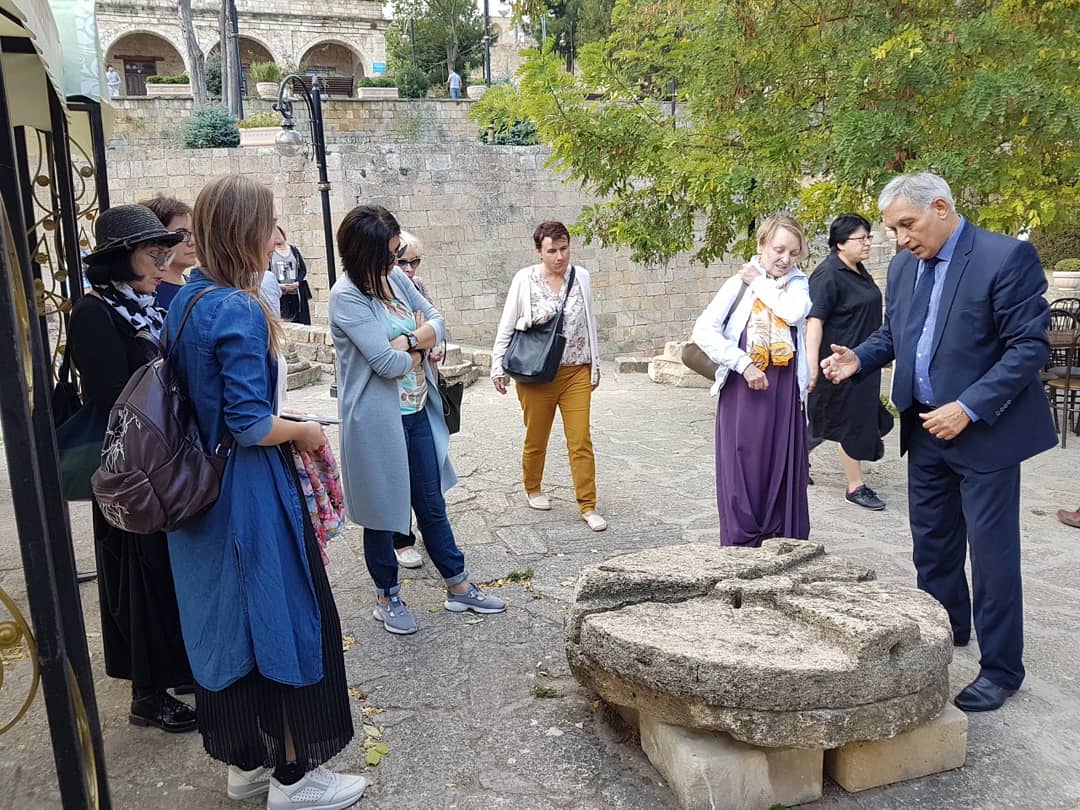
x=982 y=695
x=165 y=712
x=184 y=689
x=866 y=498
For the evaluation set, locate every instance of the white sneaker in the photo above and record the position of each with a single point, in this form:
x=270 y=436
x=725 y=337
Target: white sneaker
x=248 y=784
x=538 y=501
x=320 y=789
x=409 y=557
x=595 y=521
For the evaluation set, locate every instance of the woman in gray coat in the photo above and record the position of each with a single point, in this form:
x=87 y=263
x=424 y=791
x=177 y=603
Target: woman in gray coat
x=394 y=441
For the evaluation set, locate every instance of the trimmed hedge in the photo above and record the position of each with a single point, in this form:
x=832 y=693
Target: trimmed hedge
x=1061 y=244
x=377 y=81
x=179 y=78
x=1068 y=266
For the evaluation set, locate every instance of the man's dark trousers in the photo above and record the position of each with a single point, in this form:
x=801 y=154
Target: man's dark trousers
x=951 y=505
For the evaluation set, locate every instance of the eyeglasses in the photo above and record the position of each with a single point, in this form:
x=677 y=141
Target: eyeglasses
x=413 y=263
x=160 y=256
x=184 y=232
x=866 y=240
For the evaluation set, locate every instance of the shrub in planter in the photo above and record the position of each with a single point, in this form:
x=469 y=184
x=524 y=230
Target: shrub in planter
x=211 y=127
x=1068 y=266
x=265 y=72
x=413 y=83
x=377 y=81
x=263 y=119
x=179 y=78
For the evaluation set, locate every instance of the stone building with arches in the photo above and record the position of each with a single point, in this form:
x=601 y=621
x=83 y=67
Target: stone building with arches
x=142 y=38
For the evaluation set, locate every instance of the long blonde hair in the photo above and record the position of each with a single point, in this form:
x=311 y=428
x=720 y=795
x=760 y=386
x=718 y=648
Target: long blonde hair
x=231 y=222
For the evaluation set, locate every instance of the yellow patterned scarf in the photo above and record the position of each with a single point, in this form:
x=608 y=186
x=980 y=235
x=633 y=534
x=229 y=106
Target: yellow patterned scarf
x=768 y=338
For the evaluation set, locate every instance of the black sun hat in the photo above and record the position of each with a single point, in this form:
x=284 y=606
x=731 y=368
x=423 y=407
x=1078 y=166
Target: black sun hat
x=125 y=227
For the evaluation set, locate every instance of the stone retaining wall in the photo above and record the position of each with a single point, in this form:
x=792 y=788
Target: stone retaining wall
x=474 y=207
x=141 y=123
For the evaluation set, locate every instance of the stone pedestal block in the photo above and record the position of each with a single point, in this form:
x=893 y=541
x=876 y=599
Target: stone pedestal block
x=711 y=771
x=939 y=745
x=673 y=372
x=631 y=365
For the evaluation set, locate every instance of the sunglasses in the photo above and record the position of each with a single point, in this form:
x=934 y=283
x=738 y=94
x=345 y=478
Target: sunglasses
x=413 y=263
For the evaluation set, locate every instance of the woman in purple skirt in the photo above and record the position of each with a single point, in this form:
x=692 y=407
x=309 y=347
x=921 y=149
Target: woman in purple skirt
x=754 y=330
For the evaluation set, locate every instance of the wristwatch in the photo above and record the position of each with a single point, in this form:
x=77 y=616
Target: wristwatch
x=411 y=337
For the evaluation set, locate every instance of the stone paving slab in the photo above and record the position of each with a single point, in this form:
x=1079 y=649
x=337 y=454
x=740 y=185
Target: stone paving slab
x=458 y=701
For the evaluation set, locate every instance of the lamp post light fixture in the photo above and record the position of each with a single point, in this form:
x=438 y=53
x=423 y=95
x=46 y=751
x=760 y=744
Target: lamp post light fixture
x=290 y=143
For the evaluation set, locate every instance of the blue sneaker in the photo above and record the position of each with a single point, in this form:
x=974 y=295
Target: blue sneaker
x=475 y=600
x=395 y=617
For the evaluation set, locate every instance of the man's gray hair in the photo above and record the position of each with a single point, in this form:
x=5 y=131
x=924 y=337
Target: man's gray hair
x=921 y=188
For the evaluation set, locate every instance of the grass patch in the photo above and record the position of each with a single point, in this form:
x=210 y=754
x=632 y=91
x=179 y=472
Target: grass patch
x=545 y=691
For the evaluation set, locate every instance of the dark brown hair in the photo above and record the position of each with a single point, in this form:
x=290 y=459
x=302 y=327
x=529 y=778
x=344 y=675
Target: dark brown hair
x=551 y=228
x=364 y=244
x=167 y=208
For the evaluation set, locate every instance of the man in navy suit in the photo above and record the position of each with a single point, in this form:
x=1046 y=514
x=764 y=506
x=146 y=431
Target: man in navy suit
x=965 y=326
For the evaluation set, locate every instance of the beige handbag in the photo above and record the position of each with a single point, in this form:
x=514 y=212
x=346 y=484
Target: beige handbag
x=692 y=355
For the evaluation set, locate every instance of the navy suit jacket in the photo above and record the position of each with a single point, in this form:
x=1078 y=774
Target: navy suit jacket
x=989 y=344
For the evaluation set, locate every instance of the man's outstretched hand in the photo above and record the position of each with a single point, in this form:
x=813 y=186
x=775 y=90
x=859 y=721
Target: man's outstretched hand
x=841 y=364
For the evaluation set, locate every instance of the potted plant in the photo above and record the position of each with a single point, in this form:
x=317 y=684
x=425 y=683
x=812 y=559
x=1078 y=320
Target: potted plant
x=377 y=87
x=1067 y=274
x=178 y=85
x=267 y=76
x=260 y=129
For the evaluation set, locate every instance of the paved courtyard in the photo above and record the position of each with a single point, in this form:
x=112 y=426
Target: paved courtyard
x=483 y=713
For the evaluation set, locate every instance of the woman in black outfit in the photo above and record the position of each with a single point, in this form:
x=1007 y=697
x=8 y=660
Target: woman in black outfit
x=140 y=622
x=288 y=266
x=846 y=310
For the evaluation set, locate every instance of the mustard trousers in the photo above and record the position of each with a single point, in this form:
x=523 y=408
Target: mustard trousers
x=571 y=393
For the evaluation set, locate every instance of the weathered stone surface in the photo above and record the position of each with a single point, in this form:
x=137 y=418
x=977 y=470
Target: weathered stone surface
x=673 y=372
x=935 y=746
x=708 y=770
x=779 y=646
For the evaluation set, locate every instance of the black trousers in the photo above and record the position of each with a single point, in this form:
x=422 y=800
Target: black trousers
x=954 y=508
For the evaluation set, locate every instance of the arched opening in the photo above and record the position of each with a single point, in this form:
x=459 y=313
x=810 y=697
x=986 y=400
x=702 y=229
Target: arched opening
x=138 y=55
x=251 y=51
x=332 y=59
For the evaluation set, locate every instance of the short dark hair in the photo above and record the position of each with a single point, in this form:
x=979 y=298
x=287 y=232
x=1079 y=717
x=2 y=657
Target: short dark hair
x=551 y=228
x=281 y=230
x=112 y=269
x=167 y=208
x=364 y=244
x=844 y=226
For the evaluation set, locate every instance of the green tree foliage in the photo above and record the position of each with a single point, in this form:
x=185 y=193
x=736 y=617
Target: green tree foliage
x=445 y=33
x=213 y=76
x=211 y=127
x=412 y=82
x=503 y=117
x=570 y=24
x=811 y=107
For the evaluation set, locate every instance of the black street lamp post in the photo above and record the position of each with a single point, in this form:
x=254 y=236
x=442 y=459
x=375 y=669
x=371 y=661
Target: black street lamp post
x=290 y=143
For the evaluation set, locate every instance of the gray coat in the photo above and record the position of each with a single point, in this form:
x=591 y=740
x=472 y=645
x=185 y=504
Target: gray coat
x=373 y=458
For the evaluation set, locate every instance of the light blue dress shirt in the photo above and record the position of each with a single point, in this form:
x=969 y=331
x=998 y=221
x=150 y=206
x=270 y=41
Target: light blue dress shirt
x=924 y=391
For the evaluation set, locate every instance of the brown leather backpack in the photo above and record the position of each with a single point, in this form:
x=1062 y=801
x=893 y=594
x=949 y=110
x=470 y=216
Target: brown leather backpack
x=155 y=472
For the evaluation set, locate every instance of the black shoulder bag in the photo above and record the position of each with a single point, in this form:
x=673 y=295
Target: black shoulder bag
x=533 y=355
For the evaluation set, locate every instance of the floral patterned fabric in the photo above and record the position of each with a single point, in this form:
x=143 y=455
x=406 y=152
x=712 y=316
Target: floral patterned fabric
x=321 y=484
x=546 y=303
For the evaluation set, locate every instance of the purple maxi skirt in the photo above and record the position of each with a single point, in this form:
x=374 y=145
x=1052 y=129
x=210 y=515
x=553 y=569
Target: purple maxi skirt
x=762 y=461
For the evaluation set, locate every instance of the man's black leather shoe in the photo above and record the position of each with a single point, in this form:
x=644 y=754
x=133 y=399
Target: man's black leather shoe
x=956 y=642
x=982 y=695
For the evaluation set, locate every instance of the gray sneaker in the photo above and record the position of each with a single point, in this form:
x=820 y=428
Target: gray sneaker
x=395 y=617
x=475 y=600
